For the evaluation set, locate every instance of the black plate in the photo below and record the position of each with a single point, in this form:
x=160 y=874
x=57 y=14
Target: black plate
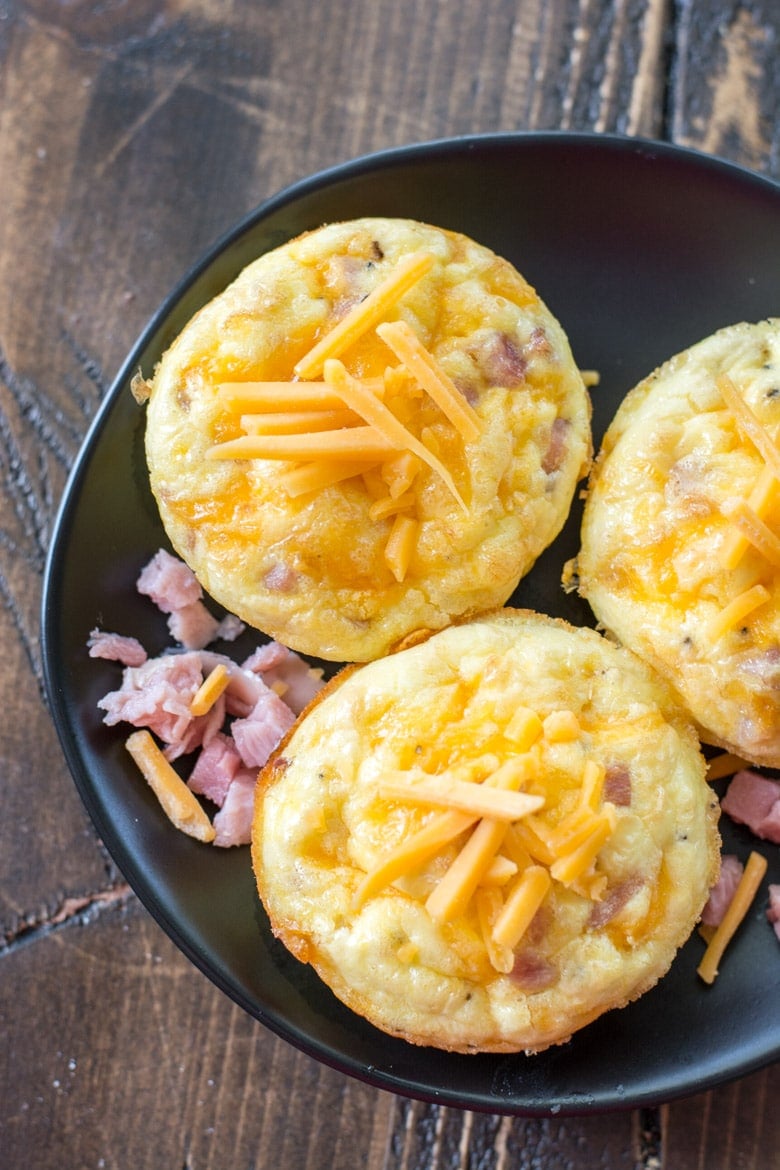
x=640 y=249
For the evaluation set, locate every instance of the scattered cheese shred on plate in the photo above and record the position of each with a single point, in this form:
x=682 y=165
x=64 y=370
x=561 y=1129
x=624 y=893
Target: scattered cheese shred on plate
x=180 y=805
x=754 y=871
x=365 y=315
x=724 y=764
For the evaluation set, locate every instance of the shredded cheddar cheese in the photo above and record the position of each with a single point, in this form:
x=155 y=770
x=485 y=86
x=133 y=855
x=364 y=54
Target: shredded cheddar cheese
x=180 y=805
x=214 y=684
x=282 y=397
x=750 y=426
x=724 y=764
x=737 y=609
x=507 y=840
x=408 y=348
x=524 y=899
x=349 y=442
x=297 y=422
x=480 y=799
x=365 y=315
x=736 y=543
x=377 y=415
x=746 y=890
x=753 y=528
x=400 y=546
x=313 y=477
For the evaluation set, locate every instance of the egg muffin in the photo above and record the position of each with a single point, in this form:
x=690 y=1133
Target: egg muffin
x=680 y=555
x=484 y=841
x=375 y=429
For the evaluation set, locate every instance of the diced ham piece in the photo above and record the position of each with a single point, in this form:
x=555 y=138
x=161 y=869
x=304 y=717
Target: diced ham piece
x=555 y=454
x=610 y=906
x=617 y=785
x=773 y=911
x=215 y=769
x=502 y=360
x=230 y=628
x=193 y=626
x=752 y=800
x=289 y=674
x=233 y=822
x=533 y=972
x=156 y=695
x=257 y=735
x=281 y=578
x=116 y=648
x=169 y=582
x=731 y=870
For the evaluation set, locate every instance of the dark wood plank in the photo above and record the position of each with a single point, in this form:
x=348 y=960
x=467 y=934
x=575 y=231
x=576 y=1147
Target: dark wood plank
x=725 y=95
x=736 y=1127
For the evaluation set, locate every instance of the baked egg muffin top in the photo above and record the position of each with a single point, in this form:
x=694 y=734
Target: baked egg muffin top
x=680 y=555
x=376 y=428
x=484 y=841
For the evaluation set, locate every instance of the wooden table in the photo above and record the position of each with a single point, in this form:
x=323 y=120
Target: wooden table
x=132 y=135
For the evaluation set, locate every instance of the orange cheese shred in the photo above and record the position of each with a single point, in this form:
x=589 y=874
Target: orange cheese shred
x=368 y=406
x=735 y=543
x=179 y=804
x=480 y=799
x=283 y=397
x=297 y=422
x=489 y=904
x=400 y=546
x=452 y=894
x=746 y=890
x=364 y=443
x=753 y=528
x=724 y=764
x=408 y=348
x=413 y=852
x=737 y=609
x=365 y=315
x=750 y=426
x=522 y=903
x=214 y=684
x=313 y=477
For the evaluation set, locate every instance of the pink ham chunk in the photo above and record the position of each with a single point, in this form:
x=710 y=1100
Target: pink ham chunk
x=257 y=735
x=116 y=648
x=169 y=582
x=752 y=800
x=233 y=822
x=731 y=870
x=290 y=675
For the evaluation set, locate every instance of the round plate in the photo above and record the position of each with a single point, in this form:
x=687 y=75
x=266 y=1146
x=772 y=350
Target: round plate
x=640 y=249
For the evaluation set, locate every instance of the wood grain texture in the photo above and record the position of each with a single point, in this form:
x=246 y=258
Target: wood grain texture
x=132 y=134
